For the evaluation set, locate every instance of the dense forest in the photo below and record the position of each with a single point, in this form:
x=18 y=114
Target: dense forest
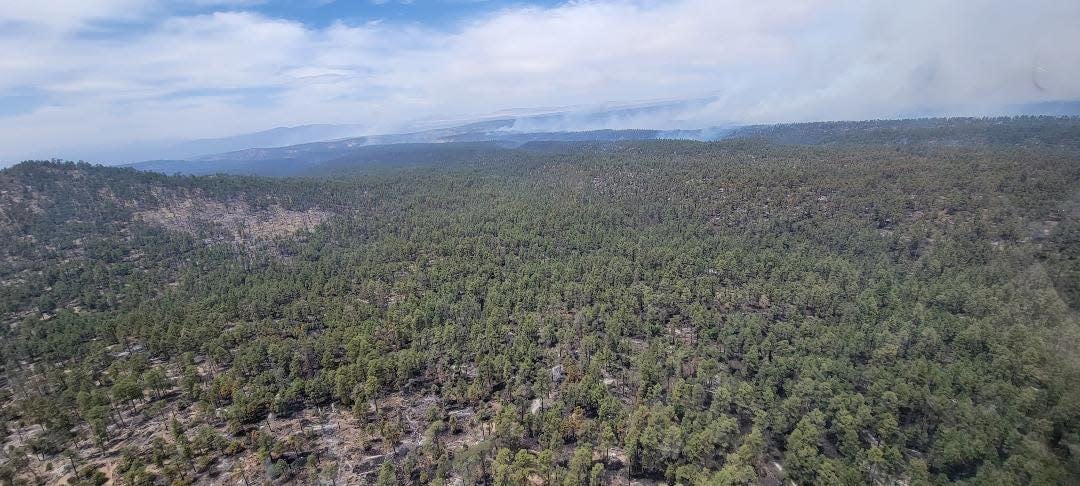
x=855 y=303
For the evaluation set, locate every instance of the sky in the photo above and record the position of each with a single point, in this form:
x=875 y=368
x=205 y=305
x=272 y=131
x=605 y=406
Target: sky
x=79 y=78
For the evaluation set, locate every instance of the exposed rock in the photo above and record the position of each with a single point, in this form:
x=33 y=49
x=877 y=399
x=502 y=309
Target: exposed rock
x=242 y=221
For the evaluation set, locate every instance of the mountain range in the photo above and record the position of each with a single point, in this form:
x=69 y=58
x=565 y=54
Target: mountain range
x=287 y=151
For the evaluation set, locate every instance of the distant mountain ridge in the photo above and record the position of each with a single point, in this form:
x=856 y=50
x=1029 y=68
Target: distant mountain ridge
x=296 y=158
x=274 y=137
x=313 y=143
x=291 y=150
x=481 y=138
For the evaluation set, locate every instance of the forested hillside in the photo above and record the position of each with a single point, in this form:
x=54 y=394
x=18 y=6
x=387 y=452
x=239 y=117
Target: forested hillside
x=968 y=132
x=847 y=310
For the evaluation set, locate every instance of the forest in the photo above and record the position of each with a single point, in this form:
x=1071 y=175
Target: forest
x=887 y=303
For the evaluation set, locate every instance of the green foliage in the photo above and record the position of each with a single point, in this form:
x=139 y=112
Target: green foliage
x=803 y=455
x=875 y=306
x=387 y=477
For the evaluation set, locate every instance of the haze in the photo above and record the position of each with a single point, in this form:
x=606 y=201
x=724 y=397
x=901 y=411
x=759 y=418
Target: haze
x=82 y=79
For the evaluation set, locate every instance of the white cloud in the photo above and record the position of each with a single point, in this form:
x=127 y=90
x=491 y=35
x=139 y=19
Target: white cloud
x=68 y=14
x=183 y=76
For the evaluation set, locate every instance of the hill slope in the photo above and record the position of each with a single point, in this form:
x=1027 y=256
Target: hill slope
x=695 y=312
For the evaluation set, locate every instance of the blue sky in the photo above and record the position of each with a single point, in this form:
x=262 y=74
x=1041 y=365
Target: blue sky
x=437 y=13
x=86 y=78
